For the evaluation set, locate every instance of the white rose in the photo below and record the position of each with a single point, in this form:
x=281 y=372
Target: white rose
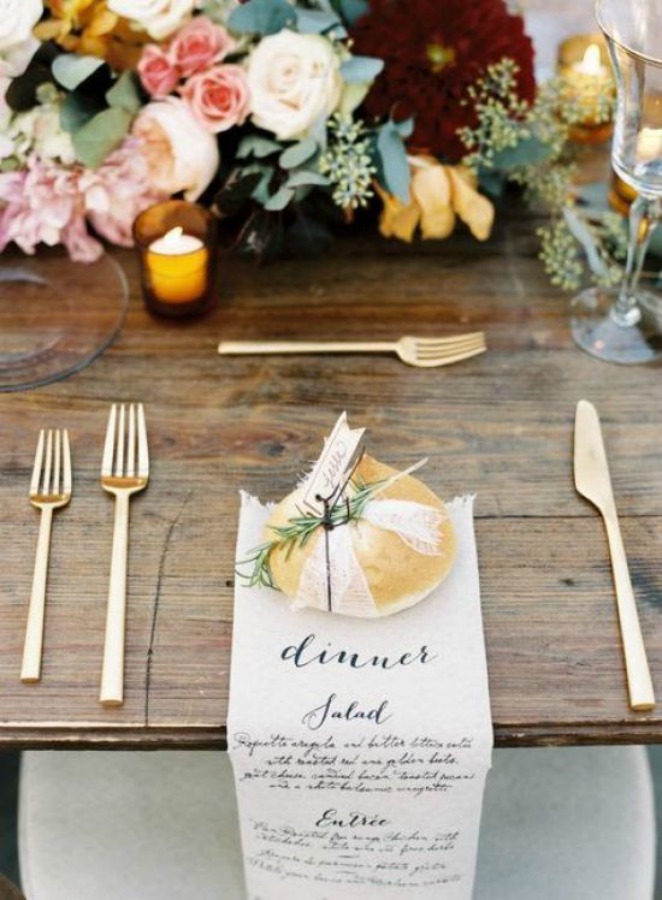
x=17 y=19
x=159 y=18
x=294 y=80
x=17 y=45
x=180 y=153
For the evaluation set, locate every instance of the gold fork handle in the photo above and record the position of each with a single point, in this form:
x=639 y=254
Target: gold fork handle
x=248 y=348
x=640 y=685
x=34 y=633
x=112 y=677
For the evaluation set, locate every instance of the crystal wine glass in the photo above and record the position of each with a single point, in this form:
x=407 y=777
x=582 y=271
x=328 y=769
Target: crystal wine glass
x=621 y=325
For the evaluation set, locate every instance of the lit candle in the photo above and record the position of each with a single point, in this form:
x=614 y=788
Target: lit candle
x=177 y=267
x=590 y=63
x=587 y=82
x=649 y=145
x=175 y=240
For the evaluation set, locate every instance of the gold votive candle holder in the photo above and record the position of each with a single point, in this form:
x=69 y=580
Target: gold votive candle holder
x=176 y=243
x=584 y=67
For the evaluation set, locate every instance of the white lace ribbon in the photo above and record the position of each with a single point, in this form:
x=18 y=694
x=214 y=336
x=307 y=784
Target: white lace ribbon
x=341 y=584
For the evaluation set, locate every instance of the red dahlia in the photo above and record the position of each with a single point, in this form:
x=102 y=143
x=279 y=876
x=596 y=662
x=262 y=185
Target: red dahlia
x=433 y=51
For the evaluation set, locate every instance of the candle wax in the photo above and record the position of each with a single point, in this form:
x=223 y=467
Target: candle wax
x=177 y=267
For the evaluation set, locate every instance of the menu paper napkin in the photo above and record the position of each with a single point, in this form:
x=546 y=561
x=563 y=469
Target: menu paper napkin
x=360 y=747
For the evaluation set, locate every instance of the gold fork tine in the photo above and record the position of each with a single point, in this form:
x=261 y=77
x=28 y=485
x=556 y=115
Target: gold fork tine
x=143 y=450
x=38 y=459
x=119 y=452
x=57 y=461
x=450 y=341
x=450 y=348
x=50 y=488
x=66 y=486
x=131 y=443
x=46 y=483
x=109 y=445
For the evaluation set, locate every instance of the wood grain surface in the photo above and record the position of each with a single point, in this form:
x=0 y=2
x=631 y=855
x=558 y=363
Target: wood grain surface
x=499 y=425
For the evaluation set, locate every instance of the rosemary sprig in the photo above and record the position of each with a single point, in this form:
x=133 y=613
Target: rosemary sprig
x=298 y=531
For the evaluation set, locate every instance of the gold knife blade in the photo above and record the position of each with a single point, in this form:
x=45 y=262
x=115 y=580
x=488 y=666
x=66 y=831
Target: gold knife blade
x=593 y=482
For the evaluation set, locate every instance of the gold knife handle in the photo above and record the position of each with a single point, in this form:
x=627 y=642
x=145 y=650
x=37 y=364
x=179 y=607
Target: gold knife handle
x=640 y=685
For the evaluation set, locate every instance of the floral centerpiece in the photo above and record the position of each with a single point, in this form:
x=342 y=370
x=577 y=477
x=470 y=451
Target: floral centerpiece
x=283 y=116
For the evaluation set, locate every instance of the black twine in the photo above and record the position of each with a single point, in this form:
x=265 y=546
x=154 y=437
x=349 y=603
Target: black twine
x=328 y=524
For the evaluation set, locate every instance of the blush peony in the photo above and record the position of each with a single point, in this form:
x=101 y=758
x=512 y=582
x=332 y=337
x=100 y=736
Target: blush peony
x=182 y=155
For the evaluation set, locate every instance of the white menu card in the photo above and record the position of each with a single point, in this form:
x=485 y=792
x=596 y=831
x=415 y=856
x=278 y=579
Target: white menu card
x=360 y=747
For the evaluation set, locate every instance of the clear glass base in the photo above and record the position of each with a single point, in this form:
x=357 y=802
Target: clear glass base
x=596 y=331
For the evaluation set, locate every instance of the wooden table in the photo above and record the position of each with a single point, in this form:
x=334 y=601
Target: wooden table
x=499 y=425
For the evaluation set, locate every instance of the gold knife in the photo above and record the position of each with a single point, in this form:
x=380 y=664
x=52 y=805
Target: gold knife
x=592 y=481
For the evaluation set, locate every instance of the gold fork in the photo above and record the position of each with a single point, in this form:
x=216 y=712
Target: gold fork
x=124 y=472
x=50 y=489
x=415 y=351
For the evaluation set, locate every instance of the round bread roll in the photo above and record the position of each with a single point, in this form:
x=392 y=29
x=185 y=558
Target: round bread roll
x=397 y=574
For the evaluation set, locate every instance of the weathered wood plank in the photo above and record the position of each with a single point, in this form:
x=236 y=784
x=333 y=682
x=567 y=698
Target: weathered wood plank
x=499 y=425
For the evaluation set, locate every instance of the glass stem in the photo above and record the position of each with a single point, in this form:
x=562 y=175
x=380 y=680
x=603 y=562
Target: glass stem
x=626 y=311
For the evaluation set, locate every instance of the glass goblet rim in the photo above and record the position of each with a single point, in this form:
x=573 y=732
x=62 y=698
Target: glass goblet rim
x=608 y=33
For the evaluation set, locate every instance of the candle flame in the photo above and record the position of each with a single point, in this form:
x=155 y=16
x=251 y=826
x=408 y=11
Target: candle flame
x=591 y=62
x=173 y=237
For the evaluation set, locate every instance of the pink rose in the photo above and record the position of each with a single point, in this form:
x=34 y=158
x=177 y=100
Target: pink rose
x=218 y=98
x=200 y=44
x=157 y=73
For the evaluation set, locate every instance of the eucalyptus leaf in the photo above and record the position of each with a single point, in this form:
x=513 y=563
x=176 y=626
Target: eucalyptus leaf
x=124 y=93
x=306 y=178
x=257 y=146
x=405 y=128
x=527 y=152
x=101 y=135
x=70 y=70
x=491 y=182
x=361 y=69
x=394 y=164
x=76 y=110
x=279 y=200
x=262 y=17
x=352 y=10
x=582 y=233
x=236 y=192
x=316 y=21
x=298 y=153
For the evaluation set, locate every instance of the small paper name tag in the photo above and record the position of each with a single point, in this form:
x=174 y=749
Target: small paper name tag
x=342 y=451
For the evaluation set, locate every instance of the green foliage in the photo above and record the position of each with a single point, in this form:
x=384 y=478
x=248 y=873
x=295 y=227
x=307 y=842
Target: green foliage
x=352 y=10
x=393 y=167
x=297 y=154
x=262 y=17
x=101 y=135
x=361 y=69
x=529 y=146
x=317 y=21
x=347 y=163
x=71 y=70
x=124 y=93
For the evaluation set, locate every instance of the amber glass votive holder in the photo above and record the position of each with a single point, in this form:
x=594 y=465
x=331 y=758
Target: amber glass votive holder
x=584 y=83
x=176 y=243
